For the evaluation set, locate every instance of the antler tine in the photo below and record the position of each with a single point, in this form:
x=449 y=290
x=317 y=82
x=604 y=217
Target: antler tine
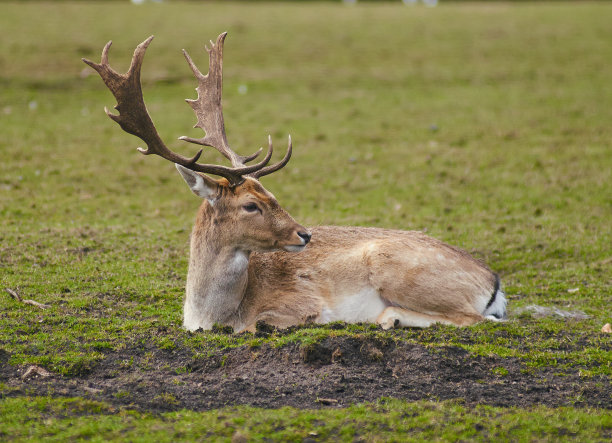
x=272 y=168
x=248 y=158
x=104 y=59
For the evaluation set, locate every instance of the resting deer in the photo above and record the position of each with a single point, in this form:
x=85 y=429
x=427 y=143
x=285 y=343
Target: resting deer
x=250 y=260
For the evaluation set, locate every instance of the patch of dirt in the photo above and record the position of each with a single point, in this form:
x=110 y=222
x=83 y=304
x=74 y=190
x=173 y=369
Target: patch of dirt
x=335 y=372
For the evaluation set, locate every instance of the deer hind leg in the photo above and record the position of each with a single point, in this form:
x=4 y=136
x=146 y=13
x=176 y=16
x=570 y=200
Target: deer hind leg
x=424 y=289
x=395 y=317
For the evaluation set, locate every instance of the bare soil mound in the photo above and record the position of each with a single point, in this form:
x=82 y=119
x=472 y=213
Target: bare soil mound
x=334 y=372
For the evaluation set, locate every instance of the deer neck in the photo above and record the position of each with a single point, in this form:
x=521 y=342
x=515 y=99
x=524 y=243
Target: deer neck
x=217 y=277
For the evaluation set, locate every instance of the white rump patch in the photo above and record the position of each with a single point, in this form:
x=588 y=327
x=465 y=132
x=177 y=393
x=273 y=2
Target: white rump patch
x=497 y=310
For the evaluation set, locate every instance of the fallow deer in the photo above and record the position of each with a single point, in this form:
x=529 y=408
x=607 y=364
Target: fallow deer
x=249 y=260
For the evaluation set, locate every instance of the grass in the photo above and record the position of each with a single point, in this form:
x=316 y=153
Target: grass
x=70 y=419
x=488 y=126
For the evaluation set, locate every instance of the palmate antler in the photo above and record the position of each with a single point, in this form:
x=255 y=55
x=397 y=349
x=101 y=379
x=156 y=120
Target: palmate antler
x=134 y=118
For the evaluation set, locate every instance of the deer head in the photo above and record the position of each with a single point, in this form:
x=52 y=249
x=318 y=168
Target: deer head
x=237 y=210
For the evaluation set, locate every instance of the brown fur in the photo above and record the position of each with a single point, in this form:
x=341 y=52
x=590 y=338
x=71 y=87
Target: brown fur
x=401 y=265
x=238 y=275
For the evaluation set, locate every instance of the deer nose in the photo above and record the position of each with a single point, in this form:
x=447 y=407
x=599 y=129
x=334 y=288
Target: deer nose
x=304 y=236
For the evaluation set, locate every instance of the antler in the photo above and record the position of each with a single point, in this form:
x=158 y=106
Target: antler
x=272 y=168
x=134 y=118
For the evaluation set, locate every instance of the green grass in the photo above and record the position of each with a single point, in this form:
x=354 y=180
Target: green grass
x=387 y=420
x=486 y=125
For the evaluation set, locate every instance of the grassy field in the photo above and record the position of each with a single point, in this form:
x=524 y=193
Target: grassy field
x=485 y=125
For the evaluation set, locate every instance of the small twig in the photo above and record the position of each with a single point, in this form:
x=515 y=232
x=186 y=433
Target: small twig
x=327 y=401
x=92 y=390
x=13 y=294
x=35 y=370
x=17 y=297
x=37 y=304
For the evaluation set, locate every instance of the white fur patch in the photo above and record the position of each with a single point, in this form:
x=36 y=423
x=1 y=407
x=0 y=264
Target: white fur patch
x=239 y=263
x=364 y=306
x=294 y=248
x=498 y=307
x=191 y=320
x=196 y=183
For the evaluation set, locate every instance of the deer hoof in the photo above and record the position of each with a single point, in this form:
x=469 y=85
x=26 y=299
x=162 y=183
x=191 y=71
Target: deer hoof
x=390 y=323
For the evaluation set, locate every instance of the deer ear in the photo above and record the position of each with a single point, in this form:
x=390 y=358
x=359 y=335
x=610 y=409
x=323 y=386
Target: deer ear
x=200 y=185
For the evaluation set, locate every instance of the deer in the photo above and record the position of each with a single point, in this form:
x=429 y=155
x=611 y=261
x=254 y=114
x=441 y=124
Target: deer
x=250 y=261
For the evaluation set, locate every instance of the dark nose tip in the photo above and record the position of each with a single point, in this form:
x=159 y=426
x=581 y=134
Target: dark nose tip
x=305 y=236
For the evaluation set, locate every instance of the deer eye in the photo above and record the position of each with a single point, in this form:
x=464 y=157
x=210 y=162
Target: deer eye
x=251 y=207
